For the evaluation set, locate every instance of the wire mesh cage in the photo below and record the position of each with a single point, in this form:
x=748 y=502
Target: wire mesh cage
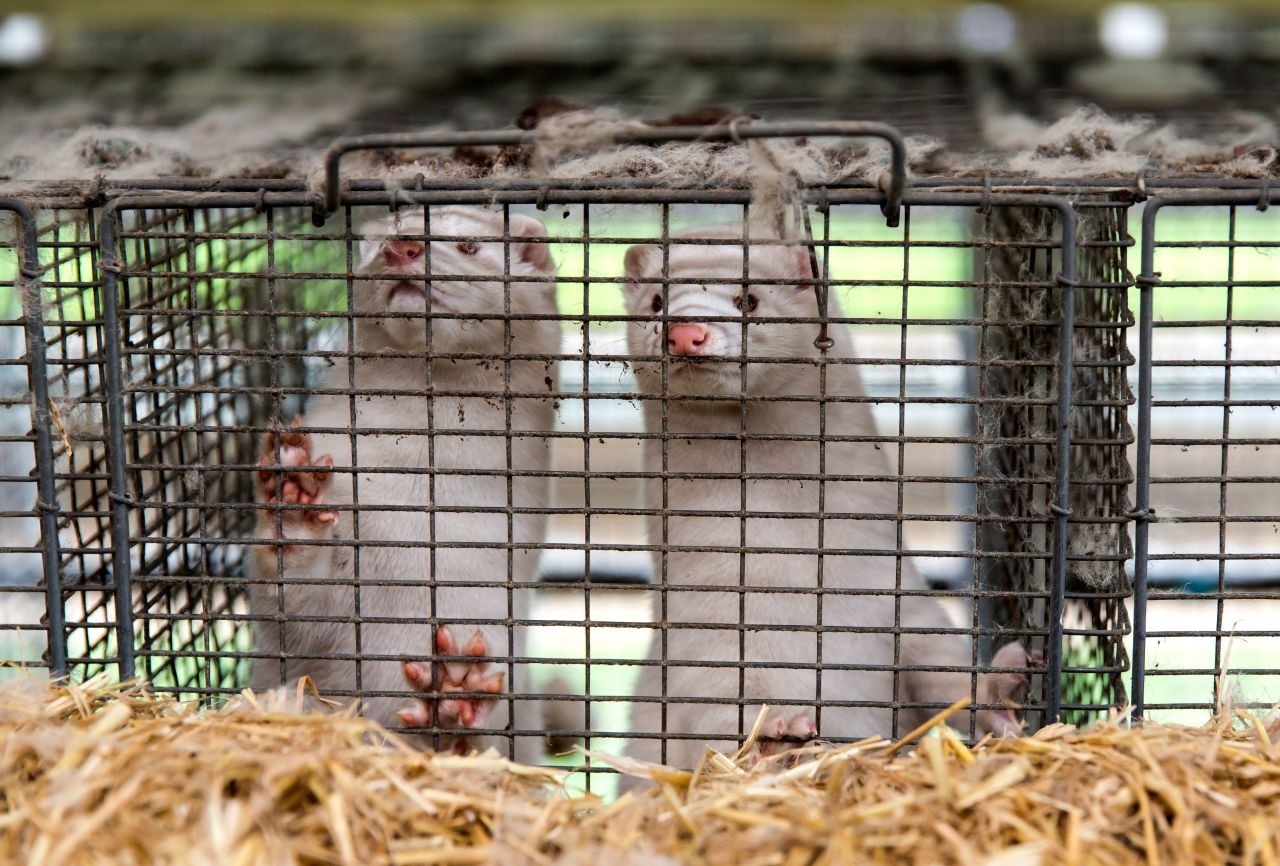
x=1206 y=527
x=832 y=468
x=1098 y=545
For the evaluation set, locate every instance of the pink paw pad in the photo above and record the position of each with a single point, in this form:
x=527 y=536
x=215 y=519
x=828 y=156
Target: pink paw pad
x=780 y=735
x=301 y=480
x=1011 y=686
x=1008 y=688
x=452 y=676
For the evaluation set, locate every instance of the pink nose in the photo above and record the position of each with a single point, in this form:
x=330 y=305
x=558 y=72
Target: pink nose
x=402 y=254
x=687 y=339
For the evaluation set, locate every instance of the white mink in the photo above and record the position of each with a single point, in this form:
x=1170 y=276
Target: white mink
x=792 y=505
x=394 y=452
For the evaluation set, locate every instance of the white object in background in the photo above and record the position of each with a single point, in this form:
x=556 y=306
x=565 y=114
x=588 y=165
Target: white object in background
x=23 y=39
x=1134 y=30
x=986 y=28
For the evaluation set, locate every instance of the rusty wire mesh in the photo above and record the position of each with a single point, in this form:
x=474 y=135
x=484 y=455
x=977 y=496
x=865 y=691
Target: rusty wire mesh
x=229 y=317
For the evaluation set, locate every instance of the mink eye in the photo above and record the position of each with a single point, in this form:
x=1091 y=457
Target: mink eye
x=656 y=305
x=468 y=248
x=752 y=302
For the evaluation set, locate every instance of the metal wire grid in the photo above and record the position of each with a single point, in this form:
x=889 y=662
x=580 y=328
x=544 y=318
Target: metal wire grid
x=22 y=636
x=194 y=378
x=1227 y=482
x=1100 y=546
x=163 y=320
x=185 y=637
x=165 y=472
x=67 y=488
x=1016 y=508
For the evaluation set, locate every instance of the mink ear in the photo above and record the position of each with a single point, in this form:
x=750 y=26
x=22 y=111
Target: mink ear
x=375 y=234
x=535 y=253
x=798 y=266
x=642 y=261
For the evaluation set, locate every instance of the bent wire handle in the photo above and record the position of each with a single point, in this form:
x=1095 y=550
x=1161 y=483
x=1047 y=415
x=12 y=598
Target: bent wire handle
x=733 y=131
x=822 y=288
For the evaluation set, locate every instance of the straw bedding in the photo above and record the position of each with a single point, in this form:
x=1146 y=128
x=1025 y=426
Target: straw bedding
x=93 y=774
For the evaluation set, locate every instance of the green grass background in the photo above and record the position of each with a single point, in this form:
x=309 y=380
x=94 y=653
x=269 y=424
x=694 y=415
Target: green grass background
x=891 y=265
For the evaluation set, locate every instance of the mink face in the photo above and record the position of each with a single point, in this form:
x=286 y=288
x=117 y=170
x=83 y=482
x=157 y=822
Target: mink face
x=449 y=271
x=717 y=323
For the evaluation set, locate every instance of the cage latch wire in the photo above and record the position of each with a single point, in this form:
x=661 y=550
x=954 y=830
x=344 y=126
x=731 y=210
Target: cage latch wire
x=823 y=341
x=1140 y=187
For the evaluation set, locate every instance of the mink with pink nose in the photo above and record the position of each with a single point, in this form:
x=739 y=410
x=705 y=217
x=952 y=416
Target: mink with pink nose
x=352 y=538
x=806 y=442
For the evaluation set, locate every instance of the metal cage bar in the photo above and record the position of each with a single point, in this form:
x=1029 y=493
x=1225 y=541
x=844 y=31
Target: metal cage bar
x=114 y=411
x=28 y=289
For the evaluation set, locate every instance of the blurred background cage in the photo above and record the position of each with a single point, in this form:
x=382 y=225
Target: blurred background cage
x=212 y=307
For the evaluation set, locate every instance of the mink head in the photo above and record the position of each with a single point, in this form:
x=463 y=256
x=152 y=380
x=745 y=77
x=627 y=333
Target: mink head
x=441 y=285
x=711 y=325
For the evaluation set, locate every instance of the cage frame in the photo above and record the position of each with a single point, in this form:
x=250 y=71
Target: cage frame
x=1001 y=192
